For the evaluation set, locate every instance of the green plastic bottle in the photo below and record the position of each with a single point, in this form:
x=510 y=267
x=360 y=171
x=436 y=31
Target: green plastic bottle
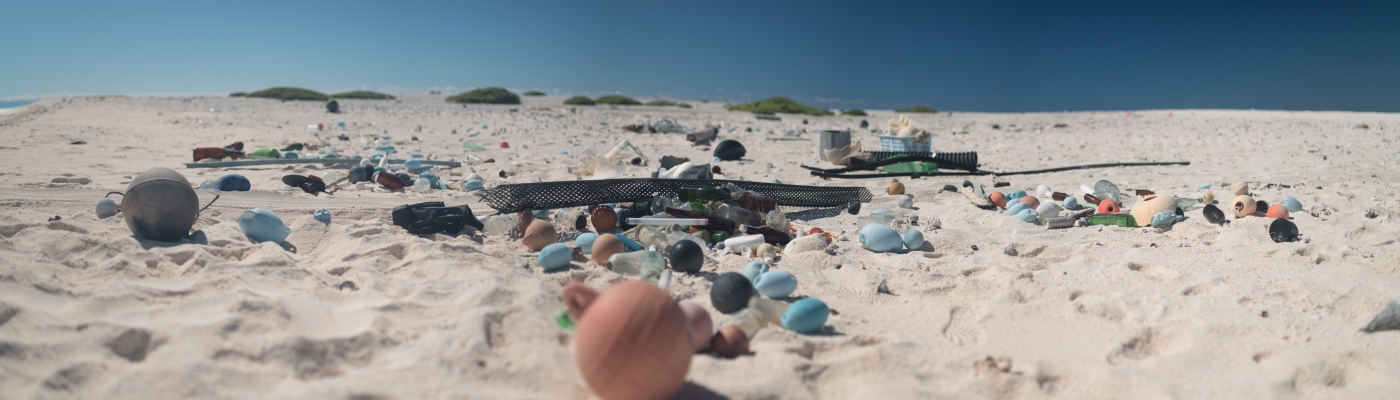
x=1123 y=220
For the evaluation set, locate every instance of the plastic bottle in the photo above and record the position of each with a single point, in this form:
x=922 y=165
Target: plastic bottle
x=1123 y=220
x=501 y=224
x=653 y=264
x=627 y=263
x=422 y=185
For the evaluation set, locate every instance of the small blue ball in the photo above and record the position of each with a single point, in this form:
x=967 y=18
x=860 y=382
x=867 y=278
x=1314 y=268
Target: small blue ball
x=913 y=239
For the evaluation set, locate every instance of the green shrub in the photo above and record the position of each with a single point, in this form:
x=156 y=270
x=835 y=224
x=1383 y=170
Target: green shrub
x=533 y=93
x=289 y=93
x=661 y=103
x=918 y=109
x=361 y=94
x=238 y=94
x=434 y=92
x=683 y=105
x=617 y=100
x=855 y=112
x=491 y=95
x=778 y=105
x=579 y=101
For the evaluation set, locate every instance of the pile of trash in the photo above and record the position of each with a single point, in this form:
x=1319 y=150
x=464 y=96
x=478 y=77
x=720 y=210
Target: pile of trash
x=1107 y=205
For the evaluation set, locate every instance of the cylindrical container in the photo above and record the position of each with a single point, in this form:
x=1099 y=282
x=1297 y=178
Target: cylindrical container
x=1059 y=223
x=832 y=140
x=626 y=263
x=571 y=218
x=738 y=244
x=629 y=244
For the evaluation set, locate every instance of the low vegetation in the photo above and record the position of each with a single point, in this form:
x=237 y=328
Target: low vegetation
x=289 y=93
x=533 y=93
x=238 y=94
x=361 y=94
x=579 y=101
x=779 y=104
x=661 y=103
x=854 y=112
x=618 y=100
x=918 y=109
x=491 y=95
x=683 y=105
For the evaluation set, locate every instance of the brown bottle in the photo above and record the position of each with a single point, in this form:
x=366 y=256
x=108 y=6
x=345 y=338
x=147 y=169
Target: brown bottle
x=770 y=235
x=216 y=153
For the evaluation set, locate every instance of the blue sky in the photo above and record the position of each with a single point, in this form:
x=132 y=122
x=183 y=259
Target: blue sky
x=970 y=56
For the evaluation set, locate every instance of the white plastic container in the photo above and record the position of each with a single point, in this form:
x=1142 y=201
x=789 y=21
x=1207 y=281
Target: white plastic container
x=737 y=245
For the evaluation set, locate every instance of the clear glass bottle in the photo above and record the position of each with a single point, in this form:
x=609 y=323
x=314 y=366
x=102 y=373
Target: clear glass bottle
x=629 y=263
x=778 y=220
x=1123 y=220
x=1186 y=204
x=573 y=219
x=653 y=265
x=501 y=224
x=760 y=313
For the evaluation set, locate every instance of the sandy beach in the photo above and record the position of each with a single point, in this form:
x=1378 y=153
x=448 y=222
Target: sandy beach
x=360 y=309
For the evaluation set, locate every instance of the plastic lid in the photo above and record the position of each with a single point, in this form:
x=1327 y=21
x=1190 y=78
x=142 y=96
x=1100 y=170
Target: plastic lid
x=652 y=248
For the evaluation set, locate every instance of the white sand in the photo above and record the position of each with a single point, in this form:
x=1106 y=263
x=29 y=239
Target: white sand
x=1079 y=313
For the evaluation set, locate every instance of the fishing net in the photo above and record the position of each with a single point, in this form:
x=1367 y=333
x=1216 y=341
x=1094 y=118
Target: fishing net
x=964 y=161
x=551 y=195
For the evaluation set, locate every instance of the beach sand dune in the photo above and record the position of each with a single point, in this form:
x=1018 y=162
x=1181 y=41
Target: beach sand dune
x=359 y=309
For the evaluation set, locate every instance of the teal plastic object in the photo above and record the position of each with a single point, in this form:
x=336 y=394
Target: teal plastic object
x=262 y=225
x=806 y=316
x=555 y=256
x=1028 y=215
x=880 y=238
x=585 y=242
x=754 y=269
x=913 y=239
x=775 y=284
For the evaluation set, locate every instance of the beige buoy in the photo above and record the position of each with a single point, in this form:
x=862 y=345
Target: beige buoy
x=160 y=205
x=1207 y=198
x=538 y=235
x=1144 y=210
x=1244 y=206
x=895 y=188
x=1240 y=188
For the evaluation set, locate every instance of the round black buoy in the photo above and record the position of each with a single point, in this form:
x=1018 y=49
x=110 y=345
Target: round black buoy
x=731 y=292
x=686 y=256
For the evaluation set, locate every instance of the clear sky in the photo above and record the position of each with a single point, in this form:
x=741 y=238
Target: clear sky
x=964 y=55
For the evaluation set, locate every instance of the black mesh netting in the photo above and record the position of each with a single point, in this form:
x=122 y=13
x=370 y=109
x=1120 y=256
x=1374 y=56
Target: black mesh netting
x=963 y=161
x=550 y=195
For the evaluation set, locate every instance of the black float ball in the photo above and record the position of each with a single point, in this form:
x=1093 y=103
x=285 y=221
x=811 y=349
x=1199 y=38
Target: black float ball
x=731 y=292
x=686 y=256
